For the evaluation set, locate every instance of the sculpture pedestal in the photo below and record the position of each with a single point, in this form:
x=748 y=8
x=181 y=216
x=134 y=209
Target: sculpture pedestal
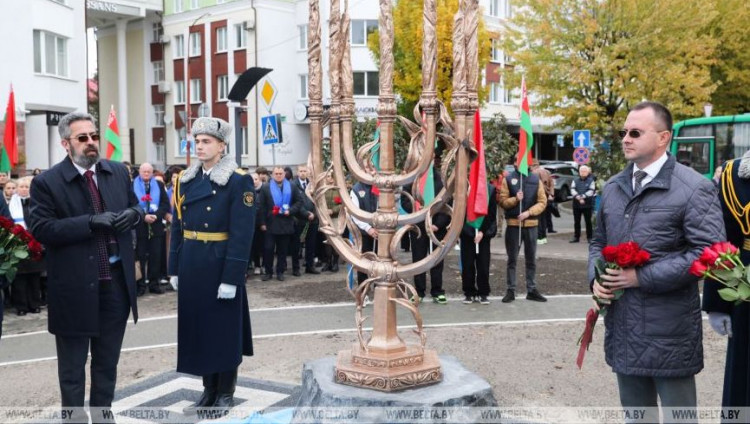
x=459 y=388
x=392 y=372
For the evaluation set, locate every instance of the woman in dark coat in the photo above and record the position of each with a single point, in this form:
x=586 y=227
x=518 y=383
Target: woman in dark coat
x=725 y=317
x=211 y=236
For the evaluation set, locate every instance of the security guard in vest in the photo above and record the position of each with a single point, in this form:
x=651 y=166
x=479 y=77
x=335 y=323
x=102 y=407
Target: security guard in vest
x=211 y=240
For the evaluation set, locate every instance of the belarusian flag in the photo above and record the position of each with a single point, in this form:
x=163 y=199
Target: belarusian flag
x=375 y=156
x=9 y=149
x=526 y=138
x=477 y=204
x=112 y=135
x=426 y=182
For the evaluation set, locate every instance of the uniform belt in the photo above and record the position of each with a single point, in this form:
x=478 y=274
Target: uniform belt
x=746 y=244
x=201 y=236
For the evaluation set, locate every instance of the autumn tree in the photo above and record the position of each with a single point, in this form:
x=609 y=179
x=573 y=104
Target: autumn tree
x=589 y=61
x=729 y=71
x=407 y=52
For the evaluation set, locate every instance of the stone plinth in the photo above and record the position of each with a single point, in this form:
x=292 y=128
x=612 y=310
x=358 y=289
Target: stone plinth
x=458 y=388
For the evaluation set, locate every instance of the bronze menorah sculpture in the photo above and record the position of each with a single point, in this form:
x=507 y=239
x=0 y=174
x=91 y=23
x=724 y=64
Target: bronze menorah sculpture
x=384 y=361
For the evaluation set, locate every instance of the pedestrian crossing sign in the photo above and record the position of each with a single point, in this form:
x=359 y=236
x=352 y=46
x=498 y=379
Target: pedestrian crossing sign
x=271 y=128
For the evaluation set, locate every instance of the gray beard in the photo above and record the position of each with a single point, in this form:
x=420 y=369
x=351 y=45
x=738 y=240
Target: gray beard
x=85 y=161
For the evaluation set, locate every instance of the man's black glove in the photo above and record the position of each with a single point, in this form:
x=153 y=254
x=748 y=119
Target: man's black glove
x=104 y=221
x=126 y=219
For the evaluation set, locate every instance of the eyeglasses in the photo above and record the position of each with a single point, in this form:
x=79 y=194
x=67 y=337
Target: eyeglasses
x=82 y=138
x=635 y=133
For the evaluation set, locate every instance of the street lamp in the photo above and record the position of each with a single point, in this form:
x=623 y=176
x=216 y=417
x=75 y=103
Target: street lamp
x=188 y=106
x=707 y=108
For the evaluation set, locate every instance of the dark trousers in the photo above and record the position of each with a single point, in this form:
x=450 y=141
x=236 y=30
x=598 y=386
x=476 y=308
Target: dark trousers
x=550 y=224
x=311 y=240
x=150 y=252
x=420 y=248
x=475 y=268
x=256 y=253
x=639 y=392
x=27 y=294
x=586 y=212
x=513 y=246
x=72 y=351
x=542 y=227
x=281 y=243
x=368 y=245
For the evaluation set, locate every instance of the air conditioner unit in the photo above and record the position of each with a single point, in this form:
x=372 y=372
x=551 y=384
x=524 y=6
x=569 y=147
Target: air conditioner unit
x=165 y=39
x=165 y=86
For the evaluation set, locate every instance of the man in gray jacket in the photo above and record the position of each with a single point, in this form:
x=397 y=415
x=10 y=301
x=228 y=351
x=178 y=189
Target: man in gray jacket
x=653 y=333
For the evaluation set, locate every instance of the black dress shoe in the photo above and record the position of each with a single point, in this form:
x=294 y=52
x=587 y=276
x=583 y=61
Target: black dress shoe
x=156 y=289
x=335 y=267
x=21 y=313
x=36 y=310
x=311 y=271
x=551 y=231
x=535 y=296
x=326 y=267
x=266 y=277
x=296 y=273
x=574 y=240
x=280 y=277
x=510 y=296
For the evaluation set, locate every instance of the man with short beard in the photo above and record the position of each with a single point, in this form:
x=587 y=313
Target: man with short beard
x=82 y=210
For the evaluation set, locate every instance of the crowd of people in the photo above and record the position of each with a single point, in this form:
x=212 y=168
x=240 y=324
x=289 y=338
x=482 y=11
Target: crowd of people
x=139 y=235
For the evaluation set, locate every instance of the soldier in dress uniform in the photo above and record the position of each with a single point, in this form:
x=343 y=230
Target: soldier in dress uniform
x=210 y=247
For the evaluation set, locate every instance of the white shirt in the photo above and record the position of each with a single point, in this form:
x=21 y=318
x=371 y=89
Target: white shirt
x=82 y=170
x=651 y=170
x=361 y=224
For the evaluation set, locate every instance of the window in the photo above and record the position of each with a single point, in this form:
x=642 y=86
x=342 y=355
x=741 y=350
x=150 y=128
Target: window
x=244 y=141
x=223 y=86
x=221 y=39
x=361 y=29
x=195 y=91
x=303 y=86
x=179 y=46
x=195 y=44
x=158 y=71
x=194 y=4
x=158 y=31
x=498 y=93
x=159 y=115
x=366 y=84
x=497 y=52
x=177 y=6
x=495 y=8
x=161 y=152
x=50 y=54
x=240 y=35
x=302 y=37
x=500 y=9
x=179 y=92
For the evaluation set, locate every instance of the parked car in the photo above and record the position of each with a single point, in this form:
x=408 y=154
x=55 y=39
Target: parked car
x=563 y=174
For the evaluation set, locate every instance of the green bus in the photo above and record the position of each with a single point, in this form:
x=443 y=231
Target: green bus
x=706 y=143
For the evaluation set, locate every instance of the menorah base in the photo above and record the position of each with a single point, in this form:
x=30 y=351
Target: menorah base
x=388 y=372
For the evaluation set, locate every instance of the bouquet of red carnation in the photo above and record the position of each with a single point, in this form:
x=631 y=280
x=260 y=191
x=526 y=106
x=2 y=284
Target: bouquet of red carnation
x=337 y=200
x=721 y=262
x=146 y=198
x=16 y=244
x=275 y=210
x=624 y=255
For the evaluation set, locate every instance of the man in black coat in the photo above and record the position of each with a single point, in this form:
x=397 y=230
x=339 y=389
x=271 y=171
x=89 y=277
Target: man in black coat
x=307 y=223
x=152 y=198
x=726 y=318
x=82 y=210
x=475 y=254
x=3 y=282
x=277 y=207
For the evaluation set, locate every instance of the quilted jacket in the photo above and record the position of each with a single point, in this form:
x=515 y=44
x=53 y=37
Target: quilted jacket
x=655 y=330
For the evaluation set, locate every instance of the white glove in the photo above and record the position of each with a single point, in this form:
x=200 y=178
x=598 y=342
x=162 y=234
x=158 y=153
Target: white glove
x=721 y=323
x=173 y=282
x=226 y=291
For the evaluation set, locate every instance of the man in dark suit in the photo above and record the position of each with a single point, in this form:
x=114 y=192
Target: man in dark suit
x=278 y=202
x=305 y=227
x=152 y=198
x=82 y=210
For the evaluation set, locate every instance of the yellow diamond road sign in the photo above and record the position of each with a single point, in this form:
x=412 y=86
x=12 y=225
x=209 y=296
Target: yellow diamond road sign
x=268 y=93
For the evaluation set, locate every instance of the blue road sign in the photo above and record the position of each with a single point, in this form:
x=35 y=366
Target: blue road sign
x=183 y=147
x=581 y=155
x=560 y=140
x=270 y=126
x=581 y=138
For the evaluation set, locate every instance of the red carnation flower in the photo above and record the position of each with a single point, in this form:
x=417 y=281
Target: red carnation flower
x=627 y=254
x=25 y=237
x=146 y=198
x=337 y=200
x=609 y=253
x=17 y=230
x=275 y=210
x=5 y=223
x=709 y=256
x=698 y=269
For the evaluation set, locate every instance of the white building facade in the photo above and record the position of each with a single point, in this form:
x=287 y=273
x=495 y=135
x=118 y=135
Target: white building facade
x=45 y=49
